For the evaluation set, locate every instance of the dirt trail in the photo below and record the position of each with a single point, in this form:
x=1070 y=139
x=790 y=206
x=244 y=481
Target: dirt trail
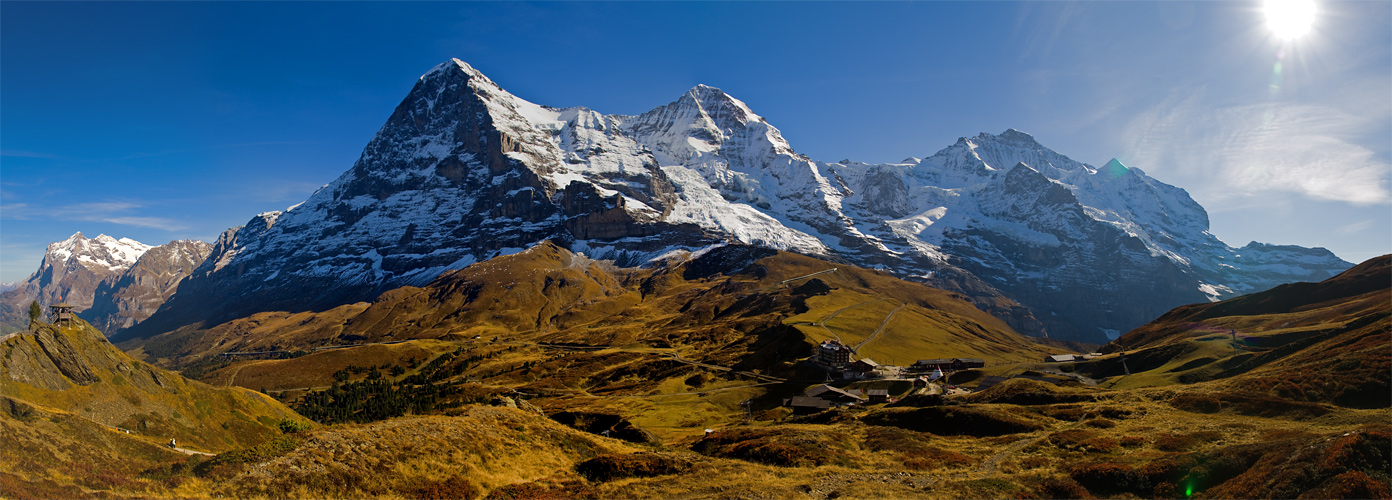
x=856 y=349
x=192 y=452
x=988 y=466
x=829 y=317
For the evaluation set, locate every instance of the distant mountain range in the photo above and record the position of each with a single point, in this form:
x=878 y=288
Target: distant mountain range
x=464 y=171
x=111 y=283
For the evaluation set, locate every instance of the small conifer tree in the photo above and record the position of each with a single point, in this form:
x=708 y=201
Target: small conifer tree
x=35 y=311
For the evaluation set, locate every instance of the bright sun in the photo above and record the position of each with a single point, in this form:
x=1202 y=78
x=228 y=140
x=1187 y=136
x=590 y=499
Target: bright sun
x=1289 y=19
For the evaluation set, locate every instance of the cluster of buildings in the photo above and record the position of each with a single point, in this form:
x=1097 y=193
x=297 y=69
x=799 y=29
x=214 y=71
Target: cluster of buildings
x=835 y=357
x=824 y=396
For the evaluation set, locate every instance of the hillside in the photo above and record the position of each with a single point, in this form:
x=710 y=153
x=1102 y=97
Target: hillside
x=1107 y=444
x=1317 y=342
x=74 y=371
x=545 y=374
x=576 y=332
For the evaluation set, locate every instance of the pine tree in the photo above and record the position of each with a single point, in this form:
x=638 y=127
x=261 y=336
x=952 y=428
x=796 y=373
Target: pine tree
x=35 y=311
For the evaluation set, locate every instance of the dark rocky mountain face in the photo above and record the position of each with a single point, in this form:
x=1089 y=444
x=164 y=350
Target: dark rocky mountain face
x=111 y=283
x=139 y=291
x=463 y=171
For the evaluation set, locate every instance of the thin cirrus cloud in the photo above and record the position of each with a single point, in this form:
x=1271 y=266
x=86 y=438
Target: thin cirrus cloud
x=1247 y=150
x=114 y=212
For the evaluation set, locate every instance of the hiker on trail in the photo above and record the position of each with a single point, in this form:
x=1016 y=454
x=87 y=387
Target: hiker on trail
x=171 y=443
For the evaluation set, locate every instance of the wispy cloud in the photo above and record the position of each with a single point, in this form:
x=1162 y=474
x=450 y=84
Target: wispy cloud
x=1261 y=149
x=114 y=212
x=1354 y=228
x=26 y=154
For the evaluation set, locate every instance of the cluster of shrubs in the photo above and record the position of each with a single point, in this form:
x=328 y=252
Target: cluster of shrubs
x=1083 y=440
x=450 y=488
x=777 y=446
x=953 y=421
x=375 y=398
x=1249 y=404
x=610 y=466
x=915 y=448
x=1314 y=467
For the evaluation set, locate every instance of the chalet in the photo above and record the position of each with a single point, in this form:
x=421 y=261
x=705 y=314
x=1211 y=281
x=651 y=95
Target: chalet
x=878 y=395
x=1061 y=358
x=833 y=354
x=864 y=365
x=804 y=405
x=920 y=382
x=860 y=369
x=953 y=364
x=834 y=395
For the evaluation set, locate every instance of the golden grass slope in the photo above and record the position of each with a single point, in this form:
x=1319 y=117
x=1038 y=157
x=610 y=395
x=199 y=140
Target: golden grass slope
x=675 y=347
x=548 y=293
x=1308 y=342
x=475 y=450
x=73 y=370
x=1126 y=444
x=54 y=454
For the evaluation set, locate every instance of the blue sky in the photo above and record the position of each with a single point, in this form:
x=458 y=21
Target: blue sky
x=167 y=120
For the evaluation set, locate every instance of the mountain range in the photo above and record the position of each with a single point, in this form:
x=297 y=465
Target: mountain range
x=112 y=283
x=464 y=171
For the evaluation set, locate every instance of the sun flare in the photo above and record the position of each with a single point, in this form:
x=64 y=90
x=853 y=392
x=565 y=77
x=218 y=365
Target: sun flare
x=1289 y=19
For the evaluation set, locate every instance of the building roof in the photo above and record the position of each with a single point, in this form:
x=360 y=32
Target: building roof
x=939 y=361
x=62 y=304
x=809 y=402
x=869 y=362
x=878 y=392
x=831 y=392
x=832 y=344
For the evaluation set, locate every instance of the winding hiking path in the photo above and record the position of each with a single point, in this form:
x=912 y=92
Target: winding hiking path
x=857 y=347
x=833 y=314
x=187 y=451
x=989 y=466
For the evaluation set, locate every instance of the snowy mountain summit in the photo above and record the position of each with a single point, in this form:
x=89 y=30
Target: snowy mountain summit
x=464 y=171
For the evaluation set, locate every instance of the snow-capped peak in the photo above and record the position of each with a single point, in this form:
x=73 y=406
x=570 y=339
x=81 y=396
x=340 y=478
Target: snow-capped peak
x=100 y=253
